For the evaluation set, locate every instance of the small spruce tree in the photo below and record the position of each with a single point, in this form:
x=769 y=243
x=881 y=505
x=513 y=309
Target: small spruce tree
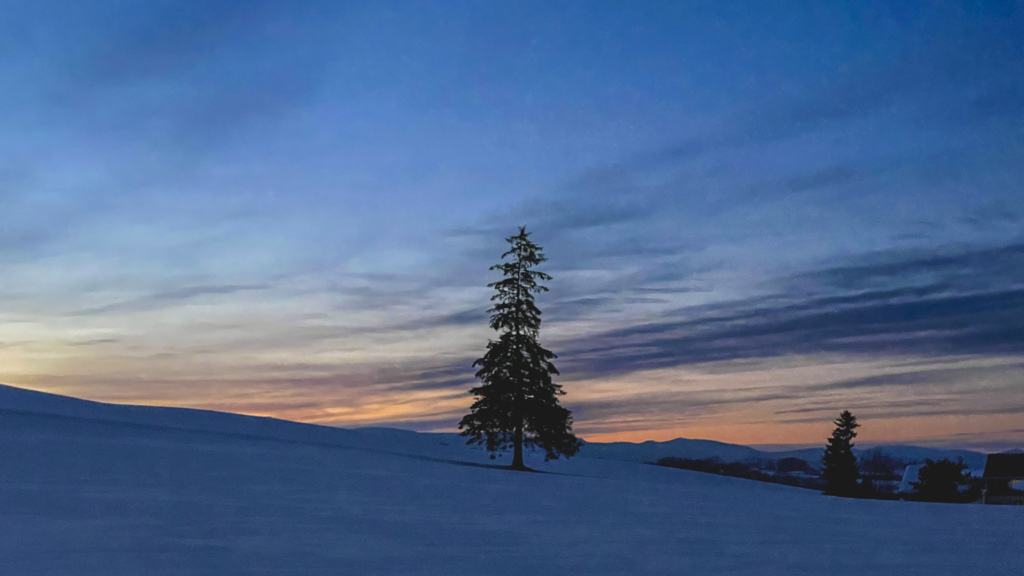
x=840 y=465
x=517 y=404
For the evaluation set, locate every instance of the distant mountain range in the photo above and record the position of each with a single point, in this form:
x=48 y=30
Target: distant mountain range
x=699 y=449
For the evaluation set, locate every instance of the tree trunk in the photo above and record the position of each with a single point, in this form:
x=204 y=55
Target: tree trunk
x=517 y=457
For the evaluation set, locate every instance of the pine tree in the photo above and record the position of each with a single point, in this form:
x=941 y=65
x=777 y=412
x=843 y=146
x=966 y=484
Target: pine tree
x=840 y=465
x=517 y=404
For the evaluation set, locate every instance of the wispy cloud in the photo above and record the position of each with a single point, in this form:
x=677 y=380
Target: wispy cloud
x=848 y=309
x=169 y=298
x=914 y=409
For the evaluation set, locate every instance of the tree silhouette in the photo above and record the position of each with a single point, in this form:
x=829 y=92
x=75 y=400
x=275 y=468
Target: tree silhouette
x=878 y=464
x=941 y=480
x=517 y=404
x=840 y=465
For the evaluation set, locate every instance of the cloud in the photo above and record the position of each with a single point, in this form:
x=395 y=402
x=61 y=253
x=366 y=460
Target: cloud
x=937 y=377
x=94 y=342
x=680 y=404
x=959 y=268
x=783 y=158
x=560 y=220
x=981 y=323
x=191 y=292
x=834 y=310
x=890 y=409
x=456 y=375
x=993 y=214
x=168 y=298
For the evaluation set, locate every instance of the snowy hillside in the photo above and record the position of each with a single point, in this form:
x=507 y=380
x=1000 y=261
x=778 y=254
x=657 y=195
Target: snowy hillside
x=93 y=489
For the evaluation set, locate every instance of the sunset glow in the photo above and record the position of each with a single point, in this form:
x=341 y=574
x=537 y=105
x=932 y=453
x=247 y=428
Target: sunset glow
x=753 y=219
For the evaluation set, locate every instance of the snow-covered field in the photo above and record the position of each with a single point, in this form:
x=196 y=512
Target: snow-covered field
x=92 y=489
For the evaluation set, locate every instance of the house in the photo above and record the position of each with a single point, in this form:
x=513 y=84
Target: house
x=1004 y=479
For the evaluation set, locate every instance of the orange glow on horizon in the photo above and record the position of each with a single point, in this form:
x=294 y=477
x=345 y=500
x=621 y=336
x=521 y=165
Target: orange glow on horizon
x=773 y=401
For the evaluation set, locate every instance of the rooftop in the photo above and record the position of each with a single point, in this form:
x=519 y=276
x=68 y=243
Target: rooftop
x=1004 y=466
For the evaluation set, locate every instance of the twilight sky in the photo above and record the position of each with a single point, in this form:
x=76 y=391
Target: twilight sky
x=757 y=214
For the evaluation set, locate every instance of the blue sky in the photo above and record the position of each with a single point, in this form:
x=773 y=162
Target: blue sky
x=757 y=214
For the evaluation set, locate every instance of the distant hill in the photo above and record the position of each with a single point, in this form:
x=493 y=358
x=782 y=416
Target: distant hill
x=651 y=451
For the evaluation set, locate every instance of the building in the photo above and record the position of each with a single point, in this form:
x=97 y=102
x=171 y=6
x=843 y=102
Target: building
x=1004 y=479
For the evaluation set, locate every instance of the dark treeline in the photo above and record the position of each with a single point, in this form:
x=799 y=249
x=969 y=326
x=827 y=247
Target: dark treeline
x=939 y=481
x=749 y=471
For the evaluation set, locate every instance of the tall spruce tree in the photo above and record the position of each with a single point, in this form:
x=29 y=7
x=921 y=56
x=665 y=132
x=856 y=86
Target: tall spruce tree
x=840 y=465
x=517 y=404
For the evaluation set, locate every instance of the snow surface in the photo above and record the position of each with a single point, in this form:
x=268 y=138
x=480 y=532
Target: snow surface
x=93 y=489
